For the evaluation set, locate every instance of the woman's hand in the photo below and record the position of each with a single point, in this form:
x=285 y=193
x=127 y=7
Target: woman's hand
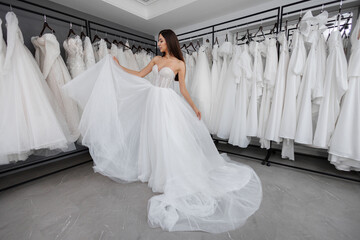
x=198 y=113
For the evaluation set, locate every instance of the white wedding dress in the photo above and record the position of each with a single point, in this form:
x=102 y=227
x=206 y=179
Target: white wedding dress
x=74 y=56
x=136 y=130
x=89 y=57
x=344 y=151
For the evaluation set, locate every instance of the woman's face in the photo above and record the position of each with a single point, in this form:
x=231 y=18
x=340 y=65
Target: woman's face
x=162 y=44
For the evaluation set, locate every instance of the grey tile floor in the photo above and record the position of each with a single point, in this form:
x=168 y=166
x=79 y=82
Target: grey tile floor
x=80 y=204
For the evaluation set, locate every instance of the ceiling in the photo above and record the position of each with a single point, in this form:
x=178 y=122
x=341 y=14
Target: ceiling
x=158 y=14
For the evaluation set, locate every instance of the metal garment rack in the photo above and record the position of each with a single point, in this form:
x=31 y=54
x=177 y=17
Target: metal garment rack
x=47 y=15
x=122 y=31
x=266 y=159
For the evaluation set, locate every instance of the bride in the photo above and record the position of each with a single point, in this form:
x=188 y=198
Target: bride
x=137 y=130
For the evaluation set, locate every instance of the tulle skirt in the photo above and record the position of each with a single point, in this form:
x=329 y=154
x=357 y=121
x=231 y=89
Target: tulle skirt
x=137 y=131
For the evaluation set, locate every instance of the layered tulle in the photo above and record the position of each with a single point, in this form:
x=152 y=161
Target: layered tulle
x=138 y=131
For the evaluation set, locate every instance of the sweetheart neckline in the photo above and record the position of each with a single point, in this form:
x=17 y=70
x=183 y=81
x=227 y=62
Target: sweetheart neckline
x=163 y=68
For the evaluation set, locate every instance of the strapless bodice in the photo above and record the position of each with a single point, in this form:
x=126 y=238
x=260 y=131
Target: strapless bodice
x=164 y=77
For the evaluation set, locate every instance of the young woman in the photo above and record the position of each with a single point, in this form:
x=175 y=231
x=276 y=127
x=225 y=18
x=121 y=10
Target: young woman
x=141 y=131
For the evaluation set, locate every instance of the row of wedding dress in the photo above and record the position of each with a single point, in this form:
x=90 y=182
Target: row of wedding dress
x=251 y=91
x=81 y=55
x=34 y=114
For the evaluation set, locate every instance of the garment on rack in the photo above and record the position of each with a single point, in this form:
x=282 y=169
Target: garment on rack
x=30 y=119
x=121 y=57
x=225 y=52
x=130 y=58
x=256 y=88
x=344 y=144
x=336 y=84
x=294 y=75
x=190 y=69
x=89 y=58
x=311 y=88
x=271 y=66
x=230 y=82
x=160 y=141
x=114 y=50
x=102 y=51
x=274 y=120
x=243 y=70
x=215 y=74
x=47 y=55
x=201 y=86
x=74 y=56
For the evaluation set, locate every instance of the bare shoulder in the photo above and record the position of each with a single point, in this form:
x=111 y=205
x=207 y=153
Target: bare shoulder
x=156 y=59
x=181 y=65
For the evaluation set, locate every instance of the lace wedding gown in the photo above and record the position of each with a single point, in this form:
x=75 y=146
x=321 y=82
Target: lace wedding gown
x=137 y=130
x=74 y=56
x=47 y=55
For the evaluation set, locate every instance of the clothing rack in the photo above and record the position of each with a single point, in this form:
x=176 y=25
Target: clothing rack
x=47 y=15
x=281 y=15
x=119 y=36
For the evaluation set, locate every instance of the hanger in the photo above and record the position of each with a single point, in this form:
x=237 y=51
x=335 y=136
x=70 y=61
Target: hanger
x=261 y=31
x=191 y=45
x=300 y=17
x=107 y=40
x=115 y=42
x=71 y=31
x=207 y=40
x=273 y=29
x=96 y=37
x=82 y=34
x=226 y=38
x=216 y=41
x=184 y=46
x=198 y=43
x=46 y=25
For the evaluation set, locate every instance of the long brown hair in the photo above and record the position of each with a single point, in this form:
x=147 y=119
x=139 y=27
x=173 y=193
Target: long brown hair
x=173 y=45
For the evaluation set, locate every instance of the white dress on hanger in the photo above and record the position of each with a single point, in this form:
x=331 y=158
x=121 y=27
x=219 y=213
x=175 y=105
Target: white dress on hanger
x=215 y=74
x=153 y=135
x=255 y=88
x=114 y=50
x=230 y=82
x=274 y=120
x=344 y=147
x=293 y=80
x=225 y=52
x=311 y=88
x=74 y=56
x=53 y=67
x=201 y=85
x=270 y=71
x=243 y=70
x=89 y=58
x=336 y=84
x=102 y=50
x=130 y=58
x=30 y=118
x=121 y=57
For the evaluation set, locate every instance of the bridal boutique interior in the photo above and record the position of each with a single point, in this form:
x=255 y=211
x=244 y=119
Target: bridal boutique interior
x=277 y=84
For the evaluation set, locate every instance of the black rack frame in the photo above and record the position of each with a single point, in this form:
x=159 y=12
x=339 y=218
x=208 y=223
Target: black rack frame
x=153 y=44
x=280 y=16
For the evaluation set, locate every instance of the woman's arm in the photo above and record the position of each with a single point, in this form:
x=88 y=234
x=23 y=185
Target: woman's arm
x=145 y=71
x=185 y=92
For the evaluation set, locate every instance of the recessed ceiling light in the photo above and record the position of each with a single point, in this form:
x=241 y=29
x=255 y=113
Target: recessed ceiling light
x=147 y=2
